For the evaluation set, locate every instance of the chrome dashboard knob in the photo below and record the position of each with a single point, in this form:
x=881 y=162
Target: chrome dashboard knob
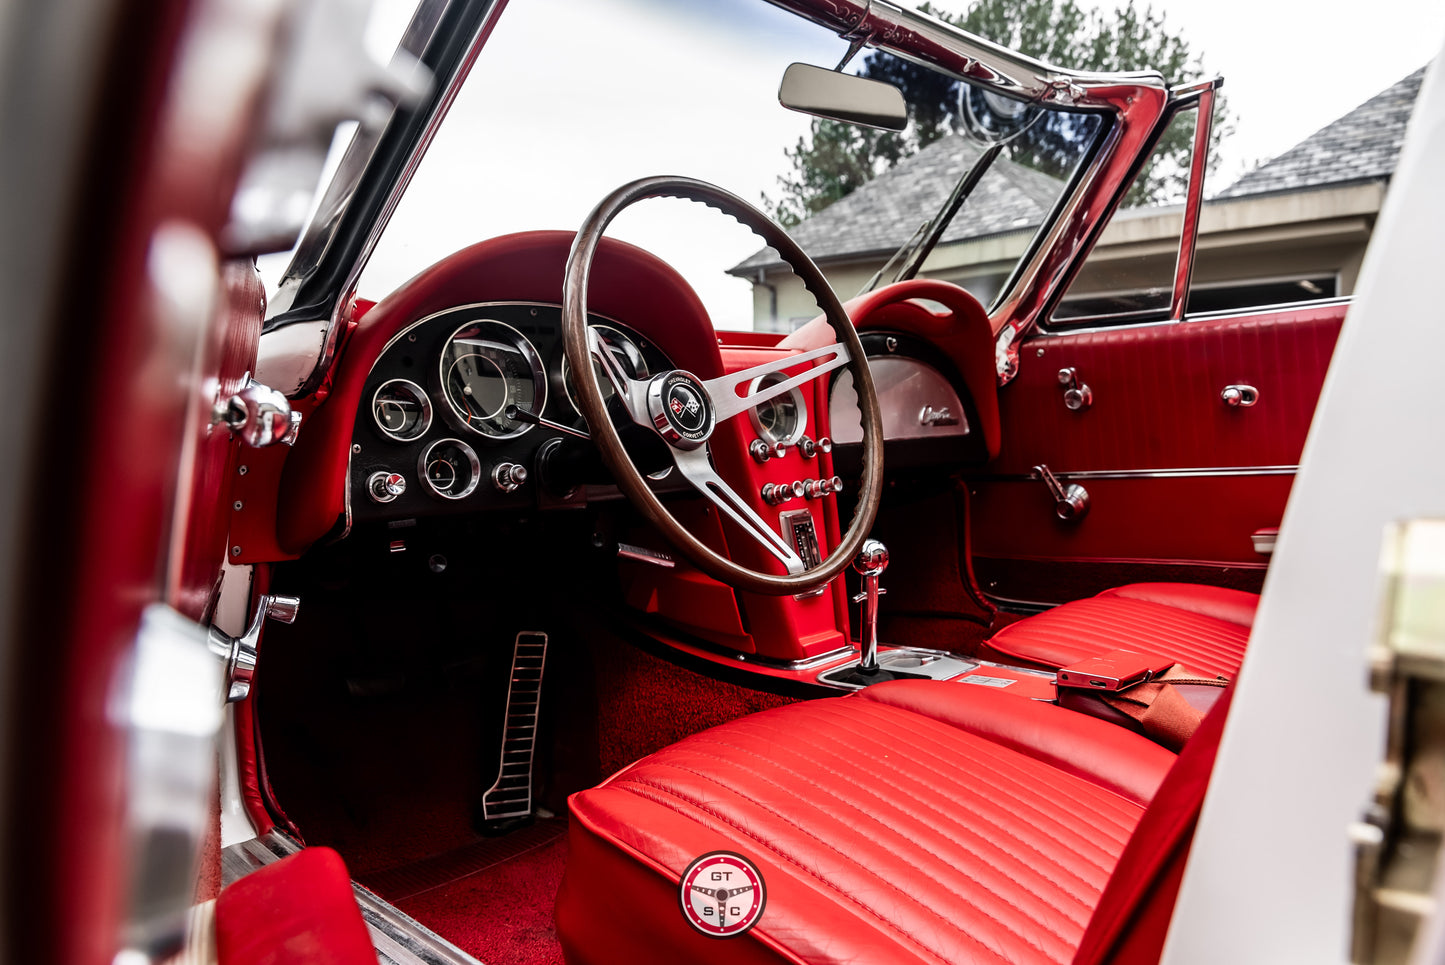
x=825 y=444
x=807 y=447
x=383 y=487
x=760 y=450
x=509 y=476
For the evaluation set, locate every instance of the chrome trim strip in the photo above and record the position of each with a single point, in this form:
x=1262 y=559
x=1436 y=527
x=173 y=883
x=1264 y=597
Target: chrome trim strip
x=1146 y=473
x=806 y=663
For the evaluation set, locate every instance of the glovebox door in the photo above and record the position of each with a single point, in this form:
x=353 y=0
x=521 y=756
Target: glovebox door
x=1181 y=485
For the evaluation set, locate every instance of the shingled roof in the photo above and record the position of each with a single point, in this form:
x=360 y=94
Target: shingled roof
x=1361 y=146
x=884 y=213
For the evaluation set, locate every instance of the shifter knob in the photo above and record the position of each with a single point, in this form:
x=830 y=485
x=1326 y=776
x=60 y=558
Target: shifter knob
x=872 y=558
x=871 y=561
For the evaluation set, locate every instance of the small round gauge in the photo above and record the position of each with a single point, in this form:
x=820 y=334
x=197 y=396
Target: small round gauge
x=487 y=366
x=782 y=418
x=629 y=358
x=402 y=410
x=449 y=468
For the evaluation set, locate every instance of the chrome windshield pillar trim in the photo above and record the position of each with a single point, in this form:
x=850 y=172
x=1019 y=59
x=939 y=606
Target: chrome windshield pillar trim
x=1194 y=202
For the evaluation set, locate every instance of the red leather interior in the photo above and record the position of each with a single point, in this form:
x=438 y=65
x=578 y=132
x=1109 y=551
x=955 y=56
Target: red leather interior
x=1156 y=405
x=920 y=821
x=1132 y=920
x=297 y=911
x=1206 y=628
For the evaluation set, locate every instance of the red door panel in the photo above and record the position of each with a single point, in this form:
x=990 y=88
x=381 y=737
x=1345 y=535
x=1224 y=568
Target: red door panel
x=1174 y=475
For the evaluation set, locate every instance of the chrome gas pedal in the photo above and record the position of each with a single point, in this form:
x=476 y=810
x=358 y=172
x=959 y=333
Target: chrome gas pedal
x=509 y=800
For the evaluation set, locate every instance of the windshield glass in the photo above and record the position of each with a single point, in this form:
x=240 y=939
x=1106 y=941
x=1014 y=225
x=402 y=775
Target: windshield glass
x=568 y=101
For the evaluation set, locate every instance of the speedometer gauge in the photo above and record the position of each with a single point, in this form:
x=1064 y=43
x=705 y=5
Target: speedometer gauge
x=487 y=366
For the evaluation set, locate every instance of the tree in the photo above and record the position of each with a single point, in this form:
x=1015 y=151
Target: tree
x=836 y=159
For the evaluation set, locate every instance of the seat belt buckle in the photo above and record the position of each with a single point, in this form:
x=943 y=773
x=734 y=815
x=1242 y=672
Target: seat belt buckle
x=1112 y=672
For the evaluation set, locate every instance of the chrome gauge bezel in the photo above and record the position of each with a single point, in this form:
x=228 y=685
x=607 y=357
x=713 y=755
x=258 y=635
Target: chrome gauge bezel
x=420 y=395
x=474 y=463
x=766 y=434
x=529 y=353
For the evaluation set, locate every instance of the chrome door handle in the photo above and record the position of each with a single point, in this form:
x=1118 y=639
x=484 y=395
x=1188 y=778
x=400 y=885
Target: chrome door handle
x=1237 y=396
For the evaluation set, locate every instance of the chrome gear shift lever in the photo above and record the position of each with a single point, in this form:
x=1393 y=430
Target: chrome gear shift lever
x=871 y=561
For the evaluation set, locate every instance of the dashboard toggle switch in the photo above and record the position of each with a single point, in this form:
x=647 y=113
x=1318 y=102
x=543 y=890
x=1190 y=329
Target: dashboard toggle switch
x=509 y=476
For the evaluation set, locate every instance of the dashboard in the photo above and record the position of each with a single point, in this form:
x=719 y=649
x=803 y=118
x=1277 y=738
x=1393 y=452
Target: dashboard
x=454 y=415
x=449 y=415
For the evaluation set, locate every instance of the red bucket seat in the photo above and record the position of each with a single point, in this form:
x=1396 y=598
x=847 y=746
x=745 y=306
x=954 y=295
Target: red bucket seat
x=912 y=822
x=1206 y=628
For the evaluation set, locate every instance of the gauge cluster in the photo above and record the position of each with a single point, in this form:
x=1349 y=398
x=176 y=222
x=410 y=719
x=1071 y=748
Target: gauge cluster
x=449 y=413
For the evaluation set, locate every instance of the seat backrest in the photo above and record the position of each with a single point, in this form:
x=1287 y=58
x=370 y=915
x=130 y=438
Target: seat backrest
x=1132 y=918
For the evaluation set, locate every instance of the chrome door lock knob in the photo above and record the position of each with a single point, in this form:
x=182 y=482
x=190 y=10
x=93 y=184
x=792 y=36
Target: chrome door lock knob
x=871 y=561
x=1077 y=395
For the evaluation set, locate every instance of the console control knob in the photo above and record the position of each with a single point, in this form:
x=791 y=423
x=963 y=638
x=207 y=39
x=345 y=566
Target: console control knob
x=508 y=476
x=825 y=444
x=807 y=447
x=836 y=484
x=383 y=487
x=760 y=450
x=775 y=495
x=779 y=450
x=813 y=488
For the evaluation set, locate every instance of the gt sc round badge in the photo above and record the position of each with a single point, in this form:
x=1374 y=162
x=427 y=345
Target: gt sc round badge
x=722 y=894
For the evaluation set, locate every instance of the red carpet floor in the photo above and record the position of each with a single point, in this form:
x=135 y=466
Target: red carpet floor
x=493 y=899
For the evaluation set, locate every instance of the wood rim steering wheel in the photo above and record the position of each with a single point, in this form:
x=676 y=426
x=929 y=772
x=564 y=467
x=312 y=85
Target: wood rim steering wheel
x=684 y=409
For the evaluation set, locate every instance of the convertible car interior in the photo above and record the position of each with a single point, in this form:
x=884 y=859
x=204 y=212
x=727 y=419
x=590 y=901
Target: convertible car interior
x=559 y=621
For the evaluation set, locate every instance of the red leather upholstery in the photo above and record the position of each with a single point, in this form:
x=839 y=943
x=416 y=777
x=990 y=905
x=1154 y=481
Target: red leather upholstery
x=298 y=911
x=917 y=821
x=1206 y=628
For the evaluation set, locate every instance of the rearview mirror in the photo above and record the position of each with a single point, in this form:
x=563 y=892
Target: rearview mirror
x=843 y=97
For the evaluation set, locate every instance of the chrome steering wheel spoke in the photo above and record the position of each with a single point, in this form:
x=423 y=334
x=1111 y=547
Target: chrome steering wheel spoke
x=697 y=469
x=632 y=392
x=723 y=390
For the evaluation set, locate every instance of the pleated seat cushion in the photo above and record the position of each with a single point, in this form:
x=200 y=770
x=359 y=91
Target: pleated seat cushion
x=1206 y=628
x=916 y=821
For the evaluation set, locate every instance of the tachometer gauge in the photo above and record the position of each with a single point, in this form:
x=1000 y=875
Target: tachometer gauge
x=487 y=366
x=629 y=359
x=401 y=409
x=782 y=418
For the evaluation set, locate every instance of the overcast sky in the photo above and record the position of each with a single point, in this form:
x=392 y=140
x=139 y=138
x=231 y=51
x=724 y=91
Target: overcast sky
x=655 y=87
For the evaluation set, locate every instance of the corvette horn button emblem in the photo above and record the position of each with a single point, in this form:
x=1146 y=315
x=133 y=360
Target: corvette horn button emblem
x=680 y=408
x=722 y=894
